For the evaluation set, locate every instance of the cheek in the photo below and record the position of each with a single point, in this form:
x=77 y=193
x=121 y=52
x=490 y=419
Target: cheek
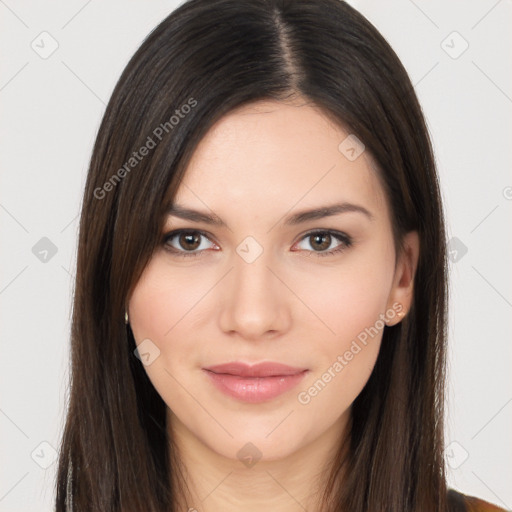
x=161 y=308
x=344 y=359
x=164 y=300
x=348 y=299
x=350 y=304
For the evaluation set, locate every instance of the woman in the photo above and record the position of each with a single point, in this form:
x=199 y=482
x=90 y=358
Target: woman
x=260 y=305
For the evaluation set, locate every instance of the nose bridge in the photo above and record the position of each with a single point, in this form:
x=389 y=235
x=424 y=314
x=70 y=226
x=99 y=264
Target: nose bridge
x=255 y=303
x=253 y=278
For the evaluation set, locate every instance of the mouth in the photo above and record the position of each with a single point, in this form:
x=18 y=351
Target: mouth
x=254 y=383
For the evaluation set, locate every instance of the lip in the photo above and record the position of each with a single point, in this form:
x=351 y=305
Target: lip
x=254 y=383
x=266 y=369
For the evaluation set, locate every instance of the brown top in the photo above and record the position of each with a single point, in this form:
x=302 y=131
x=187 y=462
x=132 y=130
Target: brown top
x=467 y=503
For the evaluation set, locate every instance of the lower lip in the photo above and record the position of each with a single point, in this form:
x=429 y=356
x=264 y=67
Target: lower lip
x=254 y=389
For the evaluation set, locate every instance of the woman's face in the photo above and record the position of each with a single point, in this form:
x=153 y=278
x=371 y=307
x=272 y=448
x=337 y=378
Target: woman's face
x=261 y=287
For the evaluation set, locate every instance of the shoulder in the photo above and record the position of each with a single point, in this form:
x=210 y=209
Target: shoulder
x=459 y=501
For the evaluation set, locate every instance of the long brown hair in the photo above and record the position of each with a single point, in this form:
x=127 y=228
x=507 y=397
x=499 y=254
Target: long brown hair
x=206 y=58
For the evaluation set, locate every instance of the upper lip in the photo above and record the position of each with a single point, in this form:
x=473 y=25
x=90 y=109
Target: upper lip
x=267 y=369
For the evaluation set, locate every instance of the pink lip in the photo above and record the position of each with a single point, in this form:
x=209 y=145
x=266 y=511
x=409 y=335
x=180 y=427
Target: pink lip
x=256 y=383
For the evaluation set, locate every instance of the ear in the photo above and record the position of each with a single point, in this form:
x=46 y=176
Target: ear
x=402 y=291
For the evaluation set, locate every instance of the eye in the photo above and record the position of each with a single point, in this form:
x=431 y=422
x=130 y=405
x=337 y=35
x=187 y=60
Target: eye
x=320 y=241
x=185 y=242
x=188 y=243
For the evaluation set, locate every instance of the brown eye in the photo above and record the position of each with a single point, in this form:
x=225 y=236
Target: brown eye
x=186 y=242
x=320 y=241
x=189 y=241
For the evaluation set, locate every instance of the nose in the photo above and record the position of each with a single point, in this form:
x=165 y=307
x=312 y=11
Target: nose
x=255 y=303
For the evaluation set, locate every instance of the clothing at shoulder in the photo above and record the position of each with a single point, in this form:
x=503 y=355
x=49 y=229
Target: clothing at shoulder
x=464 y=503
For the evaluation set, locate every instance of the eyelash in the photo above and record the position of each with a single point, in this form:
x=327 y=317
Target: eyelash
x=342 y=237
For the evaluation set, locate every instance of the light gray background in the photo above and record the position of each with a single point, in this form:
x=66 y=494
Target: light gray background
x=50 y=112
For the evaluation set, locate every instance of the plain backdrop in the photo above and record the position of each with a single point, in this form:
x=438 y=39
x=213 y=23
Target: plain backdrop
x=59 y=63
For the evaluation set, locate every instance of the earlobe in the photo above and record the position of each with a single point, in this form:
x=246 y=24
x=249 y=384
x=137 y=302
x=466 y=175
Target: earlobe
x=403 y=283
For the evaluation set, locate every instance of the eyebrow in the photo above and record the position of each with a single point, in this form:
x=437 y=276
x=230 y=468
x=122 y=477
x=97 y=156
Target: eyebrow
x=300 y=217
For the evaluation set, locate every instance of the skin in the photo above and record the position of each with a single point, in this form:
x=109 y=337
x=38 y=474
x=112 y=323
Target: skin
x=257 y=165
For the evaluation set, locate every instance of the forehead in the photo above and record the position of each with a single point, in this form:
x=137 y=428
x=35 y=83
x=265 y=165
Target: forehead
x=273 y=155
